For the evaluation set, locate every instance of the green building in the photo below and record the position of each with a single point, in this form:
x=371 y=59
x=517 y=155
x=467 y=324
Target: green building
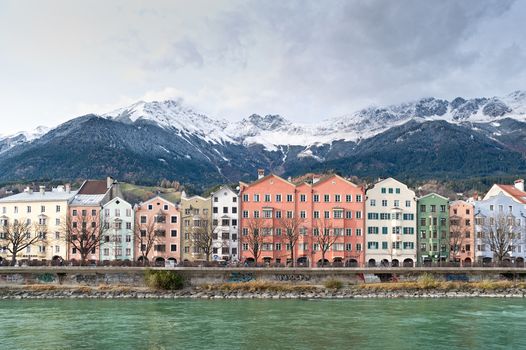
x=433 y=229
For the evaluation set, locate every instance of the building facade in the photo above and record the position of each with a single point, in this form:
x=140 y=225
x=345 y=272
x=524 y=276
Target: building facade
x=325 y=219
x=503 y=217
x=462 y=232
x=196 y=215
x=225 y=221
x=433 y=229
x=84 y=215
x=158 y=227
x=44 y=213
x=118 y=225
x=390 y=234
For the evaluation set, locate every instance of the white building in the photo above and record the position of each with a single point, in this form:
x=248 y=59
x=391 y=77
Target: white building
x=225 y=213
x=390 y=233
x=45 y=213
x=488 y=213
x=118 y=218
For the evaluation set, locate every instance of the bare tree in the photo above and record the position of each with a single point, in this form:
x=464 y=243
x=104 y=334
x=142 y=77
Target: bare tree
x=85 y=233
x=457 y=235
x=203 y=235
x=20 y=234
x=501 y=233
x=323 y=237
x=146 y=235
x=253 y=237
x=291 y=226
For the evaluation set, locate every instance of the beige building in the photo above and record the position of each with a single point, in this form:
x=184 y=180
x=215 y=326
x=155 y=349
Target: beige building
x=45 y=214
x=390 y=234
x=196 y=212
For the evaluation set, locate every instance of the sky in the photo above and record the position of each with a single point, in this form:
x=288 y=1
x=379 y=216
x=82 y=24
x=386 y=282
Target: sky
x=305 y=60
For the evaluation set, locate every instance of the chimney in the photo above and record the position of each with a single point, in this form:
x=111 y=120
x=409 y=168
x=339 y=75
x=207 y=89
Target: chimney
x=42 y=190
x=68 y=188
x=60 y=188
x=261 y=173
x=109 y=182
x=315 y=179
x=29 y=190
x=519 y=184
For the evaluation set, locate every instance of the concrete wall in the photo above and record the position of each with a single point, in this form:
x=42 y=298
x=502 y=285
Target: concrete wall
x=196 y=276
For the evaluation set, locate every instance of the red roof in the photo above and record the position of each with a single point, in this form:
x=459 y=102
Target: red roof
x=514 y=192
x=94 y=187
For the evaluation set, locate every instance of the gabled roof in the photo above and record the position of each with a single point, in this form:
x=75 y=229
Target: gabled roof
x=117 y=199
x=514 y=192
x=157 y=198
x=271 y=175
x=94 y=187
x=331 y=176
x=434 y=194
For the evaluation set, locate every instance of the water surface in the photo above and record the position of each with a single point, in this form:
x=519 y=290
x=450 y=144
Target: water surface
x=263 y=324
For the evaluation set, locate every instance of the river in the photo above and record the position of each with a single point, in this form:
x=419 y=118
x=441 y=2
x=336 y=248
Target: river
x=263 y=324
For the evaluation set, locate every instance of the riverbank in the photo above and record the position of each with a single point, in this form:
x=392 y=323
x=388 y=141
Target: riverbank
x=388 y=291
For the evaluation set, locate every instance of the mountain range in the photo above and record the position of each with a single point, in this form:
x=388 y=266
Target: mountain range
x=148 y=141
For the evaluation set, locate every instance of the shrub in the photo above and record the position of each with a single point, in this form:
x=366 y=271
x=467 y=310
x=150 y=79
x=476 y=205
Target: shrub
x=333 y=284
x=162 y=279
x=427 y=281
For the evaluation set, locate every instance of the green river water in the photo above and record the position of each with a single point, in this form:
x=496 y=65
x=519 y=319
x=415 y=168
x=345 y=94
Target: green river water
x=263 y=324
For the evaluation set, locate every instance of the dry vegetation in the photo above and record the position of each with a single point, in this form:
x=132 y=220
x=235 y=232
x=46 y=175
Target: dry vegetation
x=259 y=286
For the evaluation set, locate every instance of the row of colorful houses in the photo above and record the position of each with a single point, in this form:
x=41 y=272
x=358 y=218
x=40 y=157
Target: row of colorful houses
x=272 y=220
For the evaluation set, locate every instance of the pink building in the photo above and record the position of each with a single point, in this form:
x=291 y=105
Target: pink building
x=462 y=232
x=328 y=212
x=158 y=231
x=84 y=214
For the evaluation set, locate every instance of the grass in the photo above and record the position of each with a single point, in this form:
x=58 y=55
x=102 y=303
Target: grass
x=258 y=286
x=146 y=192
x=163 y=280
x=428 y=282
x=333 y=284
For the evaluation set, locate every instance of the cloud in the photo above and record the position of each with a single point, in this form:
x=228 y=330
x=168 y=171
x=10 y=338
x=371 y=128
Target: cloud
x=305 y=60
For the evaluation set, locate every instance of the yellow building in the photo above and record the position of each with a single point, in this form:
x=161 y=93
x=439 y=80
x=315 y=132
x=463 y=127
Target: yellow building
x=194 y=210
x=45 y=214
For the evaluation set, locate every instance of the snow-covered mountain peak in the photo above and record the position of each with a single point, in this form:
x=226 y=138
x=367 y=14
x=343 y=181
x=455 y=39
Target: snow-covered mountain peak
x=172 y=114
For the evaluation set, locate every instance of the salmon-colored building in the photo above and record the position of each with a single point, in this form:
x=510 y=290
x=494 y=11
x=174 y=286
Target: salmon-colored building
x=462 y=232
x=84 y=214
x=328 y=211
x=162 y=218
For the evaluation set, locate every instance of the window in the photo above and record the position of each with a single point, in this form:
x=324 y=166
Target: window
x=234 y=210
x=384 y=202
x=234 y=199
x=57 y=222
x=383 y=190
x=348 y=214
x=372 y=202
x=408 y=204
x=42 y=208
x=397 y=190
x=372 y=245
x=358 y=197
x=143 y=219
x=303 y=198
x=358 y=231
x=106 y=251
x=372 y=230
x=326 y=198
x=316 y=198
x=173 y=247
x=290 y=214
x=384 y=245
x=256 y=198
x=289 y=198
x=214 y=210
x=278 y=198
x=397 y=203
x=303 y=214
x=245 y=214
x=337 y=198
x=216 y=199
x=174 y=219
x=348 y=231
x=348 y=198
x=225 y=210
x=316 y=214
x=128 y=251
x=326 y=214
x=267 y=198
x=256 y=214
x=338 y=214
x=245 y=198
x=358 y=214
x=278 y=214
x=128 y=238
x=29 y=209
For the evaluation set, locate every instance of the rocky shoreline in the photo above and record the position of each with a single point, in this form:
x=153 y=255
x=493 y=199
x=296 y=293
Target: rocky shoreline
x=21 y=293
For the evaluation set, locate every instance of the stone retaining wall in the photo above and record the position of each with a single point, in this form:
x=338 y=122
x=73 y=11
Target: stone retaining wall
x=134 y=276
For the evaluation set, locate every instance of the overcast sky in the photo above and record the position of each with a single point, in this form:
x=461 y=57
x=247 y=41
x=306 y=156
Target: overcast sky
x=229 y=59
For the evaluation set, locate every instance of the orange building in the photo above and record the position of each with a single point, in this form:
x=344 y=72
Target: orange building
x=462 y=232
x=158 y=231
x=327 y=215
